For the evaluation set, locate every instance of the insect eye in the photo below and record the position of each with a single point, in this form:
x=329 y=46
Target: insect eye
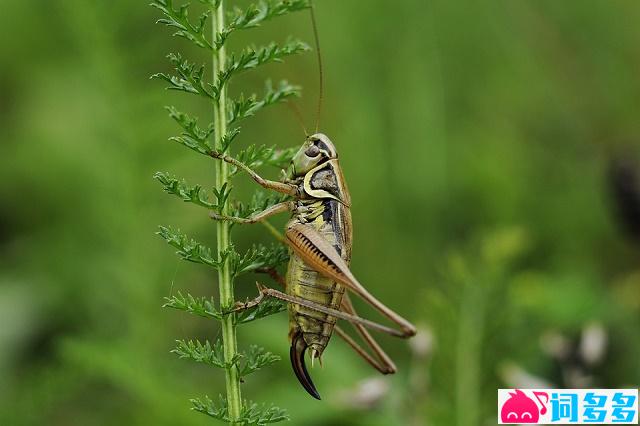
x=312 y=151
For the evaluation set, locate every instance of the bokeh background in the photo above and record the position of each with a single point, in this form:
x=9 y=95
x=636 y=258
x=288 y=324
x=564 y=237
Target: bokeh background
x=491 y=151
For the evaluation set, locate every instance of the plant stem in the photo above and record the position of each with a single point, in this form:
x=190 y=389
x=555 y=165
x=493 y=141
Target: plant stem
x=225 y=282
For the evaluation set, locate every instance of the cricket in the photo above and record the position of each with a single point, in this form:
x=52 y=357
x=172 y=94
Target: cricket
x=319 y=236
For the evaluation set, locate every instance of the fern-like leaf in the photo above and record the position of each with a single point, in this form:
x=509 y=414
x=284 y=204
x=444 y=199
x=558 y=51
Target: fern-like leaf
x=259 y=415
x=179 y=19
x=193 y=137
x=189 y=78
x=255 y=359
x=189 y=249
x=256 y=14
x=264 y=309
x=199 y=306
x=252 y=58
x=243 y=108
x=190 y=194
x=252 y=413
x=261 y=200
x=206 y=406
x=258 y=257
x=209 y=354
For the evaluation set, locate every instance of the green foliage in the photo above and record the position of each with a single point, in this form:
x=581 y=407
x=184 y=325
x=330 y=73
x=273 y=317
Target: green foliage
x=189 y=78
x=213 y=355
x=258 y=257
x=256 y=156
x=252 y=413
x=193 y=136
x=266 y=308
x=260 y=200
x=192 y=194
x=255 y=359
x=200 y=306
x=256 y=14
x=205 y=353
x=178 y=18
x=250 y=58
x=243 y=108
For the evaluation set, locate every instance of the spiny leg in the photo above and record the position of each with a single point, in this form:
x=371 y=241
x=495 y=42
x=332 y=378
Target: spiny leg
x=383 y=368
x=282 y=187
x=383 y=364
x=243 y=306
x=270 y=292
x=256 y=217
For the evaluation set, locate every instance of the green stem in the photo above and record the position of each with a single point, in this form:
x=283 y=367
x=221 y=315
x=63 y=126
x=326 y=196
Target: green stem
x=225 y=282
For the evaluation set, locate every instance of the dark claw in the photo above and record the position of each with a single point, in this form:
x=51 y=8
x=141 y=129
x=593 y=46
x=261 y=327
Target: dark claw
x=297 y=351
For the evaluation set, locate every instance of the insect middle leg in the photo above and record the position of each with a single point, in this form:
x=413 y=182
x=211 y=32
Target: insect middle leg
x=256 y=217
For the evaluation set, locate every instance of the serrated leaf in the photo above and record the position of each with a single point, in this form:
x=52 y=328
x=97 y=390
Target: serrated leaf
x=264 y=309
x=189 y=249
x=200 y=306
x=255 y=14
x=252 y=58
x=255 y=359
x=228 y=137
x=252 y=413
x=212 y=355
x=255 y=156
x=179 y=19
x=261 y=200
x=191 y=194
x=258 y=257
x=242 y=108
x=189 y=78
x=206 y=406
x=193 y=137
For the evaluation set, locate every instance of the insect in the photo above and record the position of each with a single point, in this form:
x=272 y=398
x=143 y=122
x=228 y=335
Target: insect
x=319 y=235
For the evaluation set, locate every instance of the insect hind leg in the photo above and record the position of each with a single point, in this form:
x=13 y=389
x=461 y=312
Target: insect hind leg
x=354 y=319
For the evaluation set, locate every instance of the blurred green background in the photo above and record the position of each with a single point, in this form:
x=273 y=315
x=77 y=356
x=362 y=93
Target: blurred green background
x=487 y=147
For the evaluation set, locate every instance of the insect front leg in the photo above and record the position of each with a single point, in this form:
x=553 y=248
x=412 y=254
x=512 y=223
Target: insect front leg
x=285 y=206
x=282 y=187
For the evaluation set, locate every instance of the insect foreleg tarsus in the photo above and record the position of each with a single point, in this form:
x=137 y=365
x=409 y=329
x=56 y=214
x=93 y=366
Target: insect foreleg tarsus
x=285 y=206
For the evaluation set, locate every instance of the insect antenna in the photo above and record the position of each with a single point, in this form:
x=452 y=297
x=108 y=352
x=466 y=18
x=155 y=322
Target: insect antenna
x=319 y=56
x=296 y=112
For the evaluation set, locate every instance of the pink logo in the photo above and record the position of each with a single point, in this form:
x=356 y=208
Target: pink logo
x=519 y=408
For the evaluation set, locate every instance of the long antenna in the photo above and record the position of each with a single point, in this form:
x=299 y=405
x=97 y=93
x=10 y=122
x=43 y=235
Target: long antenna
x=319 y=55
x=296 y=112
